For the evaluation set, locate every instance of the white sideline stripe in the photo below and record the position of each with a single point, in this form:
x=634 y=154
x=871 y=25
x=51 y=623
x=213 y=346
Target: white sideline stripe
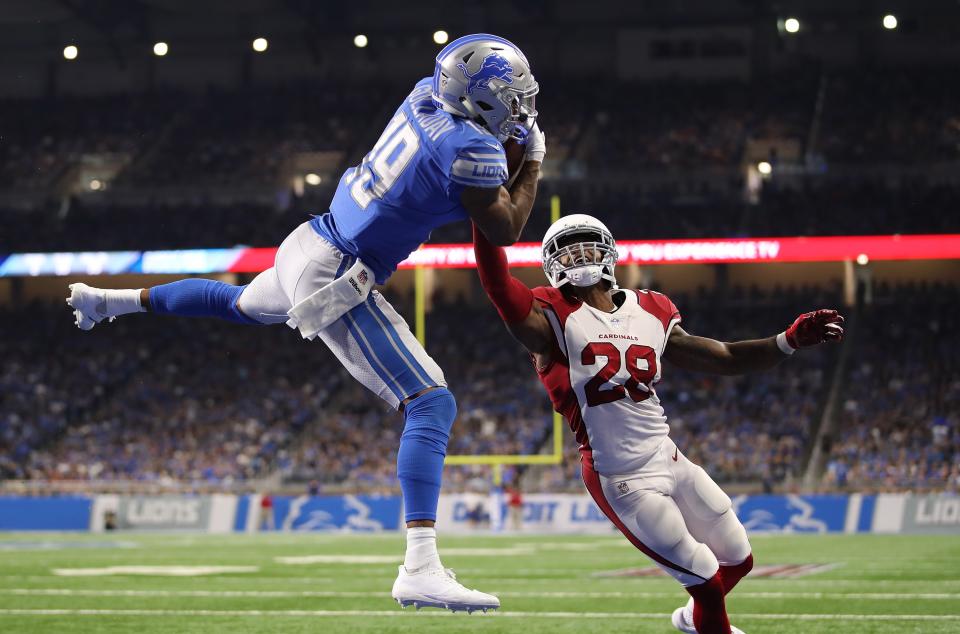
x=499 y=615
x=71 y=592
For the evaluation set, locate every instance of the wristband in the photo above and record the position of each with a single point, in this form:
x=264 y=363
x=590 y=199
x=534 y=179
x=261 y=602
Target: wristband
x=784 y=345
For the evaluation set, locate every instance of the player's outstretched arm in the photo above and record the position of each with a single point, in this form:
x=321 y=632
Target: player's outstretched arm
x=716 y=357
x=501 y=213
x=514 y=301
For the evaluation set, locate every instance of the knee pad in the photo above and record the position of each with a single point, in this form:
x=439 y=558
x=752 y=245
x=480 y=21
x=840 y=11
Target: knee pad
x=430 y=416
x=698 y=560
x=703 y=562
x=729 y=539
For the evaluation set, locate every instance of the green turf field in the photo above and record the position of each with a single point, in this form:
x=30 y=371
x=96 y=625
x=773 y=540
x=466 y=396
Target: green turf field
x=546 y=584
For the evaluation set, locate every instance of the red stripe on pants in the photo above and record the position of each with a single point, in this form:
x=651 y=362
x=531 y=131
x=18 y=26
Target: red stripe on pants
x=592 y=480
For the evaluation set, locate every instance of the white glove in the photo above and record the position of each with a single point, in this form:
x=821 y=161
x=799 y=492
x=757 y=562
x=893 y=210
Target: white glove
x=536 y=144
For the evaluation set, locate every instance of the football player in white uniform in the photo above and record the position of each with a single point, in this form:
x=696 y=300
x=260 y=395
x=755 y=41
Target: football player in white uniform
x=598 y=350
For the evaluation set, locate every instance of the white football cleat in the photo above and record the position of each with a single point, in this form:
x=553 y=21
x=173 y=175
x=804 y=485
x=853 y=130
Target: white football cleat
x=89 y=305
x=679 y=620
x=438 y=588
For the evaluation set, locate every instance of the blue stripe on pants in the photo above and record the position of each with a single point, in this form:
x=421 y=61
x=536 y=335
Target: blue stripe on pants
x=386 y=354
x=361 y=338
x=382 y=318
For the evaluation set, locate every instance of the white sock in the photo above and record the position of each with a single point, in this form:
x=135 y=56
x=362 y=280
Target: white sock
x=123 y=301
x=688 y=611
x=421 y=549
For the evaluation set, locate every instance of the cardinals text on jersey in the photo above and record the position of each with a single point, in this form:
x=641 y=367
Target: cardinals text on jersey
x=603 y=374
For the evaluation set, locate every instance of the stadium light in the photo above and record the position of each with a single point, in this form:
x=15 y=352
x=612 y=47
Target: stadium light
x=440 y=37
x=260 y=44
x=791 y=25
x=360 y=41
x=95 y=184
x=764 y=168
x=70 y=52
x=862 y=259
x=160 y=49
x=313 y=179
x=890 y=22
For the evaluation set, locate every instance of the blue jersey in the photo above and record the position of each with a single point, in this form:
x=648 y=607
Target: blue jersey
x=410 y=183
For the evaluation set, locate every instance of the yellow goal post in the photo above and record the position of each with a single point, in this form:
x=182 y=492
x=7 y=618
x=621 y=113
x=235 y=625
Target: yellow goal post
x=497 y=461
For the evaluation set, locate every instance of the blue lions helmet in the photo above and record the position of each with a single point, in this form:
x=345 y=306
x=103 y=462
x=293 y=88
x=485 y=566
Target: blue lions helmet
x=487 y=79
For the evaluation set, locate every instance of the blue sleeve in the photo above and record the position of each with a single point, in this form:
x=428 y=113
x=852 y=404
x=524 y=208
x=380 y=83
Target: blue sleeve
x=479 y=162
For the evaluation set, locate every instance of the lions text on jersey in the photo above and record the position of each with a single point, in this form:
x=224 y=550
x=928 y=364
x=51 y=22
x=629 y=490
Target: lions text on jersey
x=410 y=183
x=603 y=371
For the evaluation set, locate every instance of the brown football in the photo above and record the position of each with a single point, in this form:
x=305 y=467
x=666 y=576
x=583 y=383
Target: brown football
x=514 y=152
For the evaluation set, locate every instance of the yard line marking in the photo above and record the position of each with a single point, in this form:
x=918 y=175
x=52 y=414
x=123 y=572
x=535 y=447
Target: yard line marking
x=877 y=596
x=640 y=582
x=339 y=559
x=498 y=615
x=166 y=571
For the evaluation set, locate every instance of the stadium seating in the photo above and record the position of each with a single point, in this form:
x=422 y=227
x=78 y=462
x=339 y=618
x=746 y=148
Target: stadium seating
x=899 y=426
x=246 y=137
x=159 y=416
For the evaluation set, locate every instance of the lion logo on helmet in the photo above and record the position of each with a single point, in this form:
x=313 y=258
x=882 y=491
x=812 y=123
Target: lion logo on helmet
x=494 y=66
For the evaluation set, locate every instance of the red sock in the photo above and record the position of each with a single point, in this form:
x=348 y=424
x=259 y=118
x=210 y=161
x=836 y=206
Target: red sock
x=730 y=575
x=709 y=611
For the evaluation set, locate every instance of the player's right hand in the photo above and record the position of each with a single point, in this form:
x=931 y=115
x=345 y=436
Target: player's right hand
x=813 y=328
x=536 y=144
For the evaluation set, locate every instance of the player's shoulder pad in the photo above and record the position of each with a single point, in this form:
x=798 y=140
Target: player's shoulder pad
x=478 y=158
x=550 y=295
x=554 y=299
x=658 y=305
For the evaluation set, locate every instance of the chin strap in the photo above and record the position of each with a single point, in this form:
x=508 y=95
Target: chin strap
x=584 y=276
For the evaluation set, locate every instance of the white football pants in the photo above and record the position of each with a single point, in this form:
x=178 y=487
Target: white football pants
x=673 y=512
x=372 y=341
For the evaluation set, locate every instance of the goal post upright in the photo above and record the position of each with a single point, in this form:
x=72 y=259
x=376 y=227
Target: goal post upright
x=498 y=461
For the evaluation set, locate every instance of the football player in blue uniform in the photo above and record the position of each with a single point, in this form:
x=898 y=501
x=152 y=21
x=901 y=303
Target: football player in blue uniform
x=440 y=160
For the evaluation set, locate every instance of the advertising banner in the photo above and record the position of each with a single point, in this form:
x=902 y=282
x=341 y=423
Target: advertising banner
x=577 y=513
x=204 y=513
x=644 y=252
x=66 y=513
x=348 y=513
x=917 y=514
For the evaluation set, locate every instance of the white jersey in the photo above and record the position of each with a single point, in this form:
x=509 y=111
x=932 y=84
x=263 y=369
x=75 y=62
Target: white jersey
x=603 y=374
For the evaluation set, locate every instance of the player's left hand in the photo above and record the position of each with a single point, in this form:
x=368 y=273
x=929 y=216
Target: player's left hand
x=536 y=144
x=813 y=328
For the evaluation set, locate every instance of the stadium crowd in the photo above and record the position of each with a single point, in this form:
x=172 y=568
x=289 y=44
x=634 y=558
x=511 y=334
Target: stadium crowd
x=251 y=136
x=240 y=403
x=237 y=403
x=900 y=421
x=629 y=211
x=232 y=136
x=131 y=402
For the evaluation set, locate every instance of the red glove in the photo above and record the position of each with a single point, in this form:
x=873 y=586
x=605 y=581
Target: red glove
x=813 y=328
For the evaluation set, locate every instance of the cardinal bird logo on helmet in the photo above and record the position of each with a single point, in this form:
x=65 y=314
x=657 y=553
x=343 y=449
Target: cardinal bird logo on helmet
x=494 y=66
